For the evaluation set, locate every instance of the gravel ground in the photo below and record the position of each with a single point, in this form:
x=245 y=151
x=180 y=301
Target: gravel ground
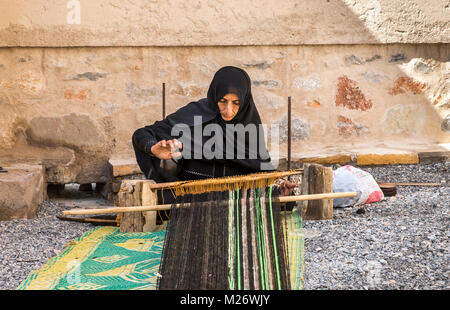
x=398 y=243
x=401 y=242
x=26 y=245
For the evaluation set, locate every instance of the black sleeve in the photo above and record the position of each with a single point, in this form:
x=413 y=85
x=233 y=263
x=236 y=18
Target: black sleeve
x=144 y=139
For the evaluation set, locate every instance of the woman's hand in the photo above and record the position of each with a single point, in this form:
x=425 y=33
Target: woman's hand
x=286 y=188
x=167 y=149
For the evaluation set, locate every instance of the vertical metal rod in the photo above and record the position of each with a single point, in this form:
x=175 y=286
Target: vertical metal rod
x=164 y=100
x=163 y=113
x=289 y=134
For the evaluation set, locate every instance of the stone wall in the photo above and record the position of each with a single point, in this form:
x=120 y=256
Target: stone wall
x=358 y=73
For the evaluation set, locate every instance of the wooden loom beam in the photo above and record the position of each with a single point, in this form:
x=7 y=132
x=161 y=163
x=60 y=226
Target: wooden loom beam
x=137 y=199
x=140 y=208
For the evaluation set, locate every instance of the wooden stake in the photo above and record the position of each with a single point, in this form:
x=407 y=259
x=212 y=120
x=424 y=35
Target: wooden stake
x=304 y=190
x=129 y=196
x=320 y=180
x=168 y=206
x=149 y=198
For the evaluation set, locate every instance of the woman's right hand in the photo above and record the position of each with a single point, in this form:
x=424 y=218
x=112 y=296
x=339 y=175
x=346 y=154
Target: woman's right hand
x=167 y=149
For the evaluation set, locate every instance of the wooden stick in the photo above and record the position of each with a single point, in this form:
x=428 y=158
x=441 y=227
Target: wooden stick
x=85 y=220
x=168 y=206
x=409 y=184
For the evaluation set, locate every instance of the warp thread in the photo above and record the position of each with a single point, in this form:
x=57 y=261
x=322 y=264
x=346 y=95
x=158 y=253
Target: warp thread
x=225 y=240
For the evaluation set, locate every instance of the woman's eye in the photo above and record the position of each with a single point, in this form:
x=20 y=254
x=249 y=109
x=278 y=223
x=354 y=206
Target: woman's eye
x=237 y=102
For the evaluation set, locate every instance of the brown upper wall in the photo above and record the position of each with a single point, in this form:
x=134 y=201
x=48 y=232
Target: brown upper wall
x=214 y=23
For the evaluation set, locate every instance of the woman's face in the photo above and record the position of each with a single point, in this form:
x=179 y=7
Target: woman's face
x=229 y=106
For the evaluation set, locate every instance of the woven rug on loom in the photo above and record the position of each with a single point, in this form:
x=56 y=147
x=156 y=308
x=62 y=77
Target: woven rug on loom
x=236 y=239
x=106 y=259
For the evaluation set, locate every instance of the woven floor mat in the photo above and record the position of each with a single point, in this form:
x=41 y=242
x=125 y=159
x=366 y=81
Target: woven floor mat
x=106 y=259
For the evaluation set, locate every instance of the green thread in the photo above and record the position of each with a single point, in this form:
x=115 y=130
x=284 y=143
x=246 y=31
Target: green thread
x=231 y=283
x=238 y=244
x=234 y=246
x=273 y=238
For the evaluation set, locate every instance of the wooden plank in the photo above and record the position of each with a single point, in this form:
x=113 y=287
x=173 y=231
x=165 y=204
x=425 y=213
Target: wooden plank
x=434 y=157
x=320 y=180
x=123 y=167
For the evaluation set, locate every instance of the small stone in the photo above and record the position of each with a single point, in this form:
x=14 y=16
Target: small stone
x=399 y=57
x=361 y=211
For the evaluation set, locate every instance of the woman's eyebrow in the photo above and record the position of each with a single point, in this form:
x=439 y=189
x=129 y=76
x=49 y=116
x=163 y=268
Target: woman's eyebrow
x=231 y=100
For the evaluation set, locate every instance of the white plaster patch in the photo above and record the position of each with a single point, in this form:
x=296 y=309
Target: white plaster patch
x=141 y=96
x=403 y=118
x=270 y=101
x=421 y=65
x=109 y=107
x=308 y=83
x=301 y=129
x=206 y=66
x=57 y=63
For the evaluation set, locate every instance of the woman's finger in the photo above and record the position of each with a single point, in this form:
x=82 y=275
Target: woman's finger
x=176 y=155
x=289 y=184
x=179 y=144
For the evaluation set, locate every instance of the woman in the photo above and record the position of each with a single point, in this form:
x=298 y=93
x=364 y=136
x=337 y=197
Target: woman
x=229 y=104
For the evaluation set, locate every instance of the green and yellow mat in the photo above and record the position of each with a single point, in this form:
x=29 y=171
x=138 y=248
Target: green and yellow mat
x=106 y=259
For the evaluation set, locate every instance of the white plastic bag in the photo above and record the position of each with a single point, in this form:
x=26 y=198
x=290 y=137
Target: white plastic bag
x=351 y=179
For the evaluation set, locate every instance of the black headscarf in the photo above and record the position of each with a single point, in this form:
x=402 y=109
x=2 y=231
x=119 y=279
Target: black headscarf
x=228 y=79
x=234 y=80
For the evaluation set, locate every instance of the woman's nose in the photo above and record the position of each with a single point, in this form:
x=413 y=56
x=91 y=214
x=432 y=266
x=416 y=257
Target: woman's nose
x=229 y=109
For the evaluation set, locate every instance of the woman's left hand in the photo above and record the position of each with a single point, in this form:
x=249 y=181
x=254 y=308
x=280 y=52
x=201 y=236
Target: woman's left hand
x=286 y=188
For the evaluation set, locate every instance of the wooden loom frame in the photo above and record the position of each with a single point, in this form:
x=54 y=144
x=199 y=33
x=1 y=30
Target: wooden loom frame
x=138 y=202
